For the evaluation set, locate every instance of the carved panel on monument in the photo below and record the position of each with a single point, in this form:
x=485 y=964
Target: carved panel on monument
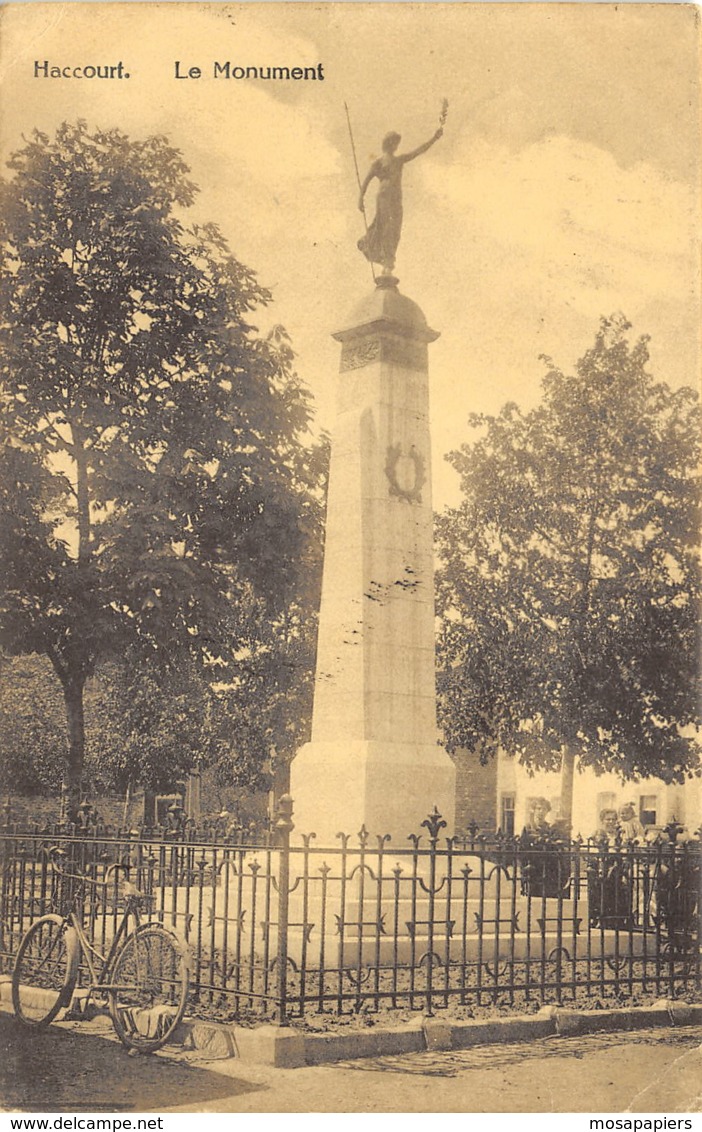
x=406 y=472
x=357 y=354
x=400 y=351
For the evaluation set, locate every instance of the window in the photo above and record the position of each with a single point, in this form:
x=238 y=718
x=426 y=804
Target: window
x=507 y=815
x=648 y=809
x=606 y=800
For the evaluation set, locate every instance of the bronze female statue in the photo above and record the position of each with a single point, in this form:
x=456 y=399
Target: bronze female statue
x=379 y=245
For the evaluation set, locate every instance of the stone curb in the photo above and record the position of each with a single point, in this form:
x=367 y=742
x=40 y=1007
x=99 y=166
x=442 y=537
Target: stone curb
x=291 y=1048
x=284 y=1047
x=664 y=1012
x=320 y=1048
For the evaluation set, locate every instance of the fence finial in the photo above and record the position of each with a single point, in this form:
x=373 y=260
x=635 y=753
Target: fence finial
x=284 y=812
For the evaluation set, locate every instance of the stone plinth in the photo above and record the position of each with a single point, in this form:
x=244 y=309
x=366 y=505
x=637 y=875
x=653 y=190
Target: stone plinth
x=374 y=757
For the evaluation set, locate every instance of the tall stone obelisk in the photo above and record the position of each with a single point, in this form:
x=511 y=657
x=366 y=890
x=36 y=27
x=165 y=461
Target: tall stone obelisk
x=374 y=757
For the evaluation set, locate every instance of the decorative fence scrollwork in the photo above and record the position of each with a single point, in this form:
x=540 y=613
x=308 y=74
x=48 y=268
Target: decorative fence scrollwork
x=288 y=928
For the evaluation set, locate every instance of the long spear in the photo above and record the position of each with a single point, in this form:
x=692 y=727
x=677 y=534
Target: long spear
x=358 y=178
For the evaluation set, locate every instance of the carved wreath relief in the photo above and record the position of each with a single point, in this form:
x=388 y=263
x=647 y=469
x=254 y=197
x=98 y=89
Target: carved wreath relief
x=360 y=354
x=406 y=473
x=400 y=351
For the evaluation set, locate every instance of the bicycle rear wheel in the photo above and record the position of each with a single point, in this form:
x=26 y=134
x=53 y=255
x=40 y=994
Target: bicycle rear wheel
x=45 y=972
x=148 y=988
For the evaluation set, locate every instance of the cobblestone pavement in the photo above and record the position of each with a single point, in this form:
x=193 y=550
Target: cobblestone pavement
x=449 y=1063
x=657 y=1070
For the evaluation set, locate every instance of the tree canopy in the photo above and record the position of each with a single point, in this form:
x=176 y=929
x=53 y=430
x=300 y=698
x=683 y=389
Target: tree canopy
x=32 y=726
x=156 y=484
x=570 y=585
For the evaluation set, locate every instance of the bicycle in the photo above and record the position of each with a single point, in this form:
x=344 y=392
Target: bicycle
x=144 y=975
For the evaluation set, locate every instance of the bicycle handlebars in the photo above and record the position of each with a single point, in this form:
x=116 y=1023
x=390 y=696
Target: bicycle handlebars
x=129 y=890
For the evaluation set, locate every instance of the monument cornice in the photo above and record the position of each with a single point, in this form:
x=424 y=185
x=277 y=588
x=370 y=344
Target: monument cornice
x=386 y=313
x=382 y=327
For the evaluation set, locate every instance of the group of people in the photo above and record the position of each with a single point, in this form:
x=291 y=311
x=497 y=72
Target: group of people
x=546 y=871
x=623 y=825
x=623 y=890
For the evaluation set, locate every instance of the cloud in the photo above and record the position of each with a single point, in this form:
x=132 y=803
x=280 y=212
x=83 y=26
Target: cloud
x=567 y=212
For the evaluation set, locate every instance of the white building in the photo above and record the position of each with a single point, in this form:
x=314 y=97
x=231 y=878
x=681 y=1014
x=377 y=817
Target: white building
x=655 y=802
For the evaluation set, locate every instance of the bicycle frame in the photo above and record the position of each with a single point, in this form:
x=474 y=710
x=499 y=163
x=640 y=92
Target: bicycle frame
x=78 y=944
x=82 y=946
x=144 y=974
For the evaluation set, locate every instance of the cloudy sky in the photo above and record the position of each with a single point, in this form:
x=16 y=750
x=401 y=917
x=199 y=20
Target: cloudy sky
x=565 y=187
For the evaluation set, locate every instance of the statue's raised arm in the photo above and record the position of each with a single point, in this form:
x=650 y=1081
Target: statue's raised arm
x=405 y=157
x=379 y=245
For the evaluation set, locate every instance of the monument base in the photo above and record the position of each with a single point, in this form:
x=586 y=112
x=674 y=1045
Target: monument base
x=386 y=787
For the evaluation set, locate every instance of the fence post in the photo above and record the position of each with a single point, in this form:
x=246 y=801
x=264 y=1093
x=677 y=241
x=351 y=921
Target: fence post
x=284 y=827
x=434 y=823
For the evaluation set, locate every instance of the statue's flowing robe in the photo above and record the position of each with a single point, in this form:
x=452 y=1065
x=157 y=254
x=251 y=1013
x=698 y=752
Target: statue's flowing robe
x=379 y=245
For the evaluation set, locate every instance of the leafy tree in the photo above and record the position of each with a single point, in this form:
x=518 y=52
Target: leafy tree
x=232 y=717
x=157 y=725
x=569 y=591
x=154 y=473
x=33 y=741
x=32 y=727
x=264 y=712
x=161 y=724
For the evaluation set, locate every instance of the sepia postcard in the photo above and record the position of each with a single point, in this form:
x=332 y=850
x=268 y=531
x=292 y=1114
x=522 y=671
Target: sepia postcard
x=348 y=643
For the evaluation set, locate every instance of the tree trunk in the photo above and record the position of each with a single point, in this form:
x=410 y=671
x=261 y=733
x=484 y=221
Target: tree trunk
x=567 y=775
x=73 y=696
x=82 y=495
x=74 y=685
x=127 y=800
x=149 y=815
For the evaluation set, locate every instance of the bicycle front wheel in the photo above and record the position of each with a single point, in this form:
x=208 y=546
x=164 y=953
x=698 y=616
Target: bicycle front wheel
x=148 y=988
x=45 y=971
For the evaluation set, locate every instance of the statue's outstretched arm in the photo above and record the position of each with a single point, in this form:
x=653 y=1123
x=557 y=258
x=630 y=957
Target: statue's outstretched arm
x=405 y=157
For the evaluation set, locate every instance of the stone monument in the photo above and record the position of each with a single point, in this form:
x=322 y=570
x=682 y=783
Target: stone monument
x=374 y=760
x=374 y=757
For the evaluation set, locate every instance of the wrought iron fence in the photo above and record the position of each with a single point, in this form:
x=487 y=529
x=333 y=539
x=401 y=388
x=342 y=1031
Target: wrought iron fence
x=287 y=928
